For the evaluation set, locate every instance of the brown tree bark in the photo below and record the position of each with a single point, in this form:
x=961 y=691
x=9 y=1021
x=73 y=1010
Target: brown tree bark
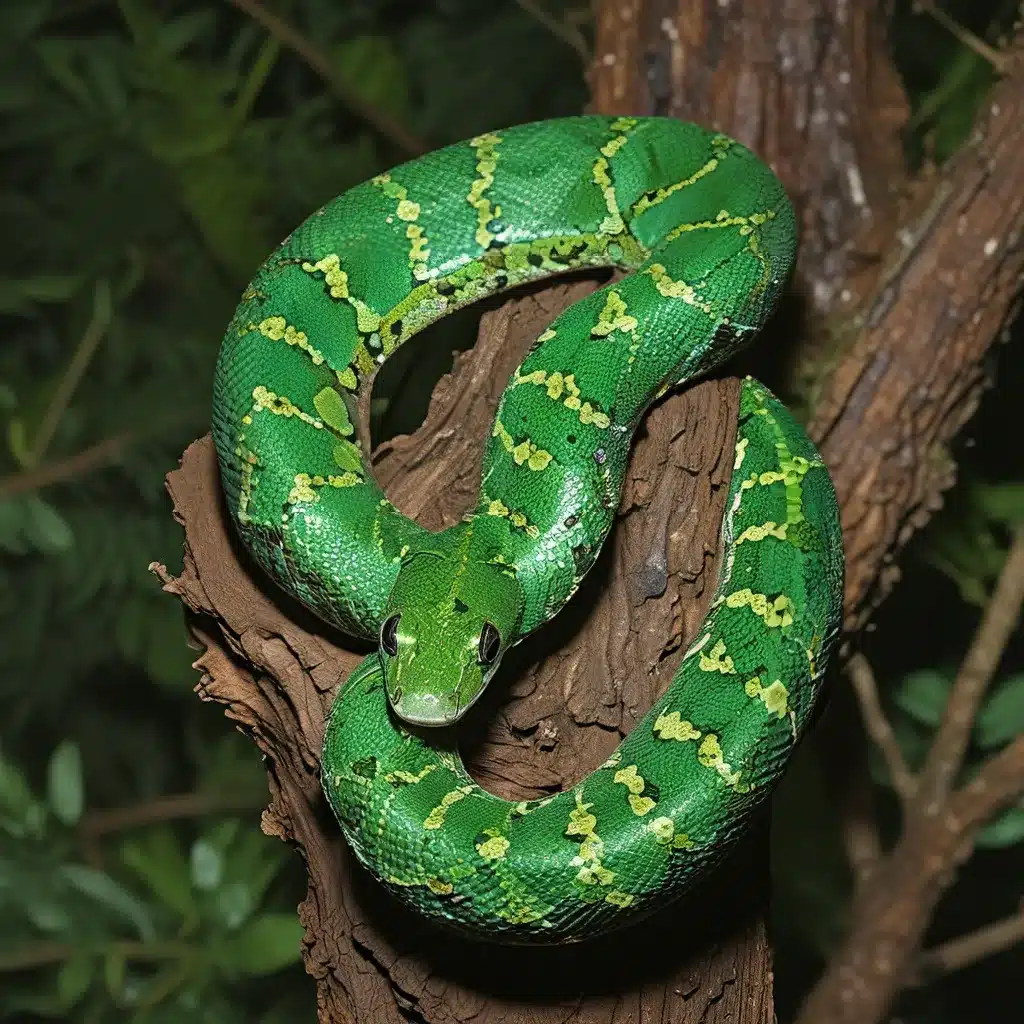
x=806 y=83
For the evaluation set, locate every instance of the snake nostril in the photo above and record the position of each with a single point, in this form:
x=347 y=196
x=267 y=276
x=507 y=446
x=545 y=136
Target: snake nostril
x=396 y=697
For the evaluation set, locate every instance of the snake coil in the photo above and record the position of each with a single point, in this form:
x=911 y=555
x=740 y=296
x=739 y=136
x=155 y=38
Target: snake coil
x=709 y=237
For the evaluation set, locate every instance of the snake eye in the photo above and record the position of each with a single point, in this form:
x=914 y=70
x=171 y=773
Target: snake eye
x=389 y=635
x=489 y=645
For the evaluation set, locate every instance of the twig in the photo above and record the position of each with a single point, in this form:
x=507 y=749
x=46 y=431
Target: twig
x=86 y=349
x=997 y=625
x=964 y=36
x=255 y=79
x=289 y=36
x=41 y=954
x=94 y=457
x=892 y=914
x=862 y=678
x=36 y=955
x=969 y=949
x=998 y=782
x=164 y=808
x=569 y=34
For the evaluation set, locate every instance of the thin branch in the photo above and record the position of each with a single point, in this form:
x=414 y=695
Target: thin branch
x=164 y=808
x=255 y=79
x=892 y=915
x=877 y=726
x=85 y=350
x=995 y=785
x=290 y=36
x=997 y=625
x=94 y=457
x=42 y=954
x=569 y=34
x=969 y=949
x=964 y=36
x=39 y=954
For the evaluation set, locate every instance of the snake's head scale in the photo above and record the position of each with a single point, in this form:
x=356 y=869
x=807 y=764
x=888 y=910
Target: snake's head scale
x=447 y=625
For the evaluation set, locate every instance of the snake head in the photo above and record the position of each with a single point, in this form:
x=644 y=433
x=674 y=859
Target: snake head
x=447 y=624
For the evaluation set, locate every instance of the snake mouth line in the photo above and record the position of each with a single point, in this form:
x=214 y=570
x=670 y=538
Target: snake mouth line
x=436 y=722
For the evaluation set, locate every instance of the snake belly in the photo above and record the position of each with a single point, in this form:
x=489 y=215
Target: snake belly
x=709 y=237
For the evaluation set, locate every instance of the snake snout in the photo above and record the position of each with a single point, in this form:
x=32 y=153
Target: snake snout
x=423 y=709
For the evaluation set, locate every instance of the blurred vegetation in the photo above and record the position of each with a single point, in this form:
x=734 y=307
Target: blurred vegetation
x=154 y=152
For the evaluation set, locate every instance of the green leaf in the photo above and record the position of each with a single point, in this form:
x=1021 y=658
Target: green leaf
x=20 y=296
x=1006 y=830
x=157 y=859
x=65 y=788
x=923 y=695
x=1003 y=502
x=21 y=815
x=114 y=969
x=47 y=914
x=235 y=902
x=1002 y=715
x=99 y=886
x=46 y=528
x=263 y=946
x=17 y=441
x=207 y=865
x=74 y=979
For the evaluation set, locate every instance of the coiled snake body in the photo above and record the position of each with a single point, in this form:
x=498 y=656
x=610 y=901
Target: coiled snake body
x=709 y=236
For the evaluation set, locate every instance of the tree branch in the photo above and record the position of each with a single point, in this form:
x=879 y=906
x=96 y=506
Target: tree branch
x=569 y=34
x=165 y=808
x=94 y=457
x=41 y=954
x=1000 y=618
x=968 y=949
x=894 y=909
x=877 y=725
x=382 y=122
x=998 y=782
x=916 y=369
x=965 y=36
x=80 y=359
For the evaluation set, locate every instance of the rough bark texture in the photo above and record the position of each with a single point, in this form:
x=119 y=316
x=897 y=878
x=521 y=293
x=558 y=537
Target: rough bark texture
x=916 y=372
x=571 y=695
x=807 y=83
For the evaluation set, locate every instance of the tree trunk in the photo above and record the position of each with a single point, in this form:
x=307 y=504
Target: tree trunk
x=808 y=85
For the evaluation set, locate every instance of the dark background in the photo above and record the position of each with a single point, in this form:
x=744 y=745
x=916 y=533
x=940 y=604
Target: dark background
x=153 y=153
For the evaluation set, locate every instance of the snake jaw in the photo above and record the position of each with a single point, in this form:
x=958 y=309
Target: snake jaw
x=418 y=709
x=427 y=709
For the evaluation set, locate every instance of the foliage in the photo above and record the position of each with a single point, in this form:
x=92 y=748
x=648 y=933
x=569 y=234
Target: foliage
x=146 y=924
x=155 y=151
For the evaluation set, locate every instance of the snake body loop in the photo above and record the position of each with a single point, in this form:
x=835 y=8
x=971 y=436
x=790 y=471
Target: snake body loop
x=709 y=237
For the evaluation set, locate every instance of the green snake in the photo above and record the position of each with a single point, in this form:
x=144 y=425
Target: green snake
x=708 y=235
